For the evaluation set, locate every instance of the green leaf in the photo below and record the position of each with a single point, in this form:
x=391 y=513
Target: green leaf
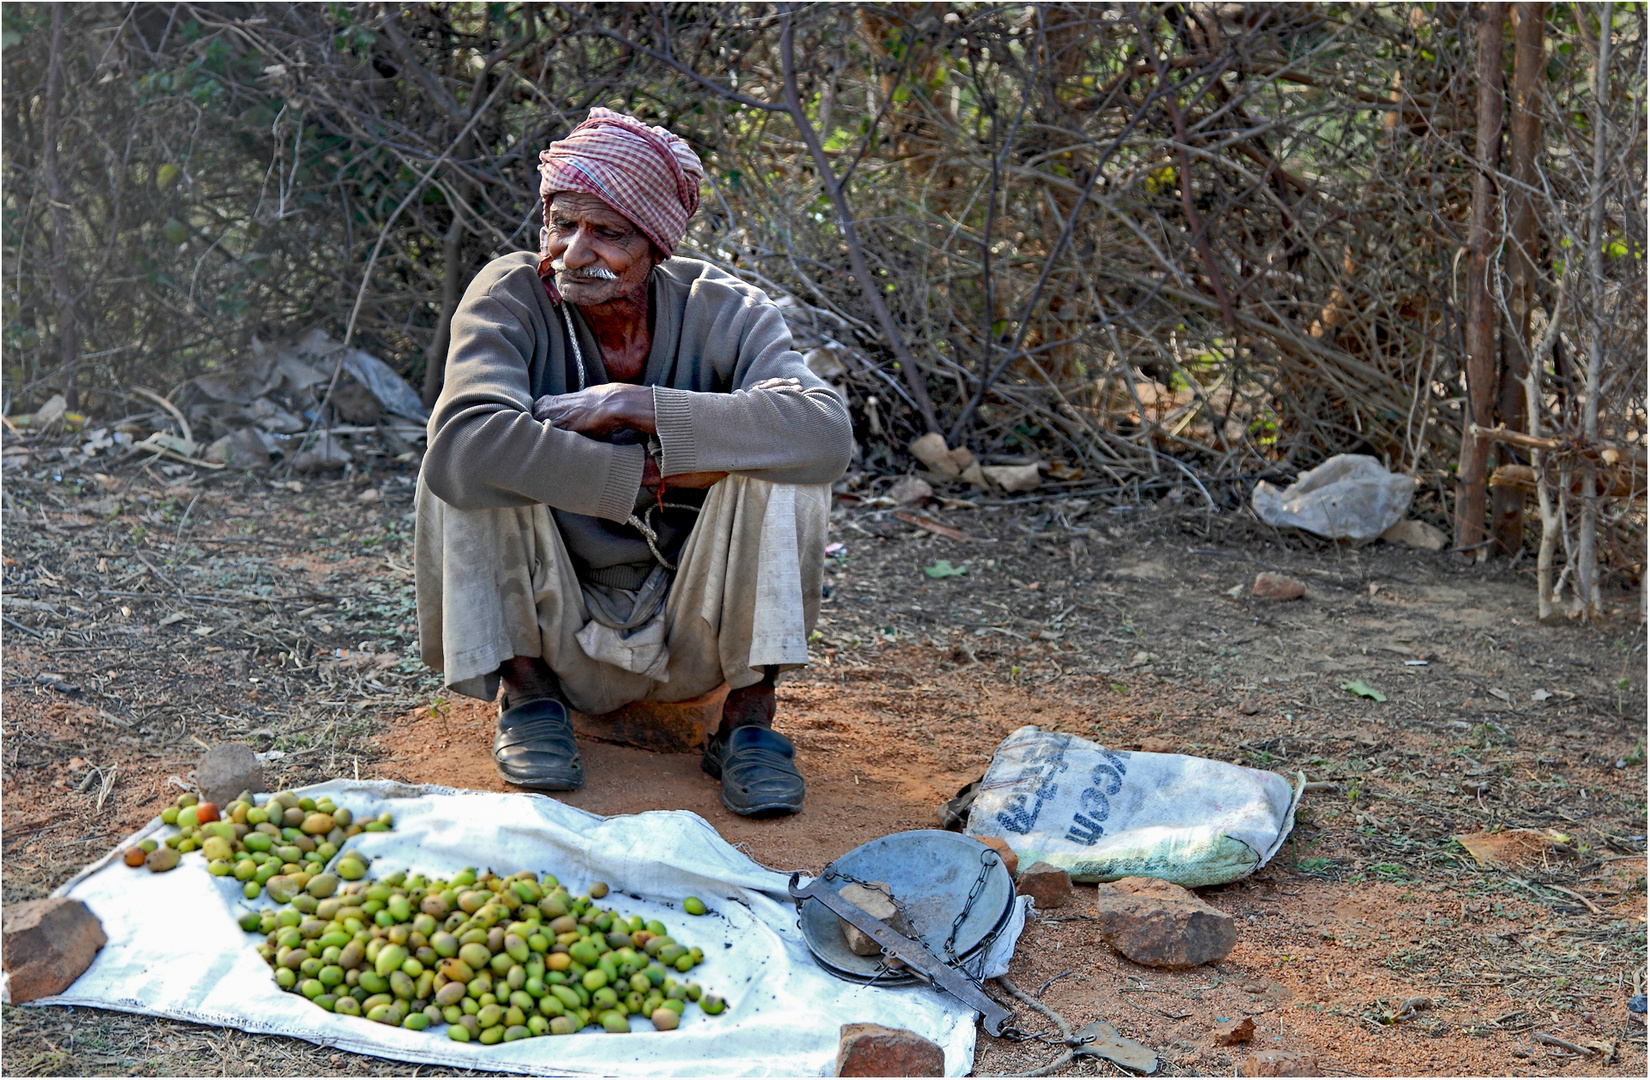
x=944 y=569
x=166 y=174
x=1363 y=689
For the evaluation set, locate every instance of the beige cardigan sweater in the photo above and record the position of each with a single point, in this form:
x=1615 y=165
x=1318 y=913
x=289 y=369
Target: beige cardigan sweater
x=714 y=338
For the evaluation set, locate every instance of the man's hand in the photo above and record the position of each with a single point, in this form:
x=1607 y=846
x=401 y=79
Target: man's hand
x=600 y=410
x=698 y=481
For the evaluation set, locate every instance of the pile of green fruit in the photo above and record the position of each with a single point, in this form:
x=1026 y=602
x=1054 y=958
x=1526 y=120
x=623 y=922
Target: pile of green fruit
x=281 y=846
x=495 y=959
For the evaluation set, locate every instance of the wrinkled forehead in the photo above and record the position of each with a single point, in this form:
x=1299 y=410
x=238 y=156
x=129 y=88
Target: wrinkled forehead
x=585 y=209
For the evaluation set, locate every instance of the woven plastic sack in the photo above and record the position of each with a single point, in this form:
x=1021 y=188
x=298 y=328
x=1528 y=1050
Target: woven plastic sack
x=1348 y=497
x=1104 y=814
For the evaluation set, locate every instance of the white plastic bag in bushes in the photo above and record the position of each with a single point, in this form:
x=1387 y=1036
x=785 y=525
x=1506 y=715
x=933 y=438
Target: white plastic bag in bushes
x=1104 y=814
x=1348 y=497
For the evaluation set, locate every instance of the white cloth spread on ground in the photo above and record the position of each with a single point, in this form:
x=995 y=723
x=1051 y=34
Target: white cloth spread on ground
x=1104 y=814
x=175 y=948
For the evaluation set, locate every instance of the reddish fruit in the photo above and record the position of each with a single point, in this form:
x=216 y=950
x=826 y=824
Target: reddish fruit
x=135 y=857
x=205 y=812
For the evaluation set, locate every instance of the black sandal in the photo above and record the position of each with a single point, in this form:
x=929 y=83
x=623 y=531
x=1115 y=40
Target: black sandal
x=757 y=767
x=534 y=748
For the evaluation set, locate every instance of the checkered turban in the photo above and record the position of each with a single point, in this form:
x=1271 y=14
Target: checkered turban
x=645 y=173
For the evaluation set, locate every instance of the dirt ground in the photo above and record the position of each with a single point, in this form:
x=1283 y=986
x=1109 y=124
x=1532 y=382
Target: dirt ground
x=152 y=612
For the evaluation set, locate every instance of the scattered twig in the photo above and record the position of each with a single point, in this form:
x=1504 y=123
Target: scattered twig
x=15 y=625
x=1052 y=981
x=1563 y=1044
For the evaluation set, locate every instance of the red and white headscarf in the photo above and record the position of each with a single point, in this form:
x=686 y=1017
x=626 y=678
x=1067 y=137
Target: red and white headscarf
x=645 y=173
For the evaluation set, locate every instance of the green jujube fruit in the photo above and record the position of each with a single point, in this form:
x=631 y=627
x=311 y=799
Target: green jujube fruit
x=390 y=958
x=693 y=906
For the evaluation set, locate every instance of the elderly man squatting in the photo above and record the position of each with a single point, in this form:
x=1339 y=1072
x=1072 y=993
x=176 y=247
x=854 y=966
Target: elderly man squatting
x=626 y=489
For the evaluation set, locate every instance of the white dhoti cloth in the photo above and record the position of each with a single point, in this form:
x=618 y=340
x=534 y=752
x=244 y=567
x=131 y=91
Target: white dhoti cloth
x=493 y=584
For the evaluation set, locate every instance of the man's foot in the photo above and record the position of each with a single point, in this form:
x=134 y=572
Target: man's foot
x=757 y=765
x=534 y=747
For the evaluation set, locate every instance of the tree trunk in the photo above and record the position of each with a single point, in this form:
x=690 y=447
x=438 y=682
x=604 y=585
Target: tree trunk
x=68 y=346
x=1587 y=578
x=1470 y=490
x=1529 y=75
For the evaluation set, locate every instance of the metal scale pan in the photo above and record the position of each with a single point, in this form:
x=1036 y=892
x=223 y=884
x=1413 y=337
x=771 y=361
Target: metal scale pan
x=930 y=872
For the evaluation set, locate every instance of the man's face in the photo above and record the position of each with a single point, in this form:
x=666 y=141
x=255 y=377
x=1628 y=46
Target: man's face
x=597 y=254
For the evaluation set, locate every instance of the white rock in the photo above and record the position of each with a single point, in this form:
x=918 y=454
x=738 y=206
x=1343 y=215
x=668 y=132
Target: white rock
x=910 y=489
x=1013 y=477
x=1416 y=534
x=930 y=449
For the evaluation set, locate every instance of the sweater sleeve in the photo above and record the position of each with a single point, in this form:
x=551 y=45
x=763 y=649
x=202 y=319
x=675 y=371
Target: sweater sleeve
x=485 y=448
x=779 y=422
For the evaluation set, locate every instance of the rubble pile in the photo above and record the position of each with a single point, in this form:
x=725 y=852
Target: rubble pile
x=310 y=404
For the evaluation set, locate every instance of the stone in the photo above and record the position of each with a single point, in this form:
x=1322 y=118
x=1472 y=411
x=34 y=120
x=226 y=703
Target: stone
x=1270 y=586
x=226 y=770
x=325 y=455
x=247 y=448
x=874 y=1050
x=1416 y=534
x=1232 y=1032
x=47 y=944
x=371 y=495
x=930 y=449
x=664 y=727
x=1048 y=886
x=908 y=490
x=355 y=403
x=1159 y=924
x=877 y=903
x=1153 y=744
x=1279 y=1063
x=1000 y=846
x=1013 y=477
x=1249 y=706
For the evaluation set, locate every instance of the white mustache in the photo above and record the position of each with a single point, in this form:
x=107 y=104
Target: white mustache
x=601 y=273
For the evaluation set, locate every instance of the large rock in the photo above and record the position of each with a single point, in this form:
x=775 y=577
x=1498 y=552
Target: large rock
x=874 y=1050
x=664 y=727
x=47 y=944
x=1270 y=586
x=1279 y=1063
x=226 y=770
x=877 y=903
x=1160 y=924
x=1048 y=886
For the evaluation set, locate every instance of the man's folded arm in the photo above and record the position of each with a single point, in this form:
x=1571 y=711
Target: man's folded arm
x=485 y=448
x=780 y=423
